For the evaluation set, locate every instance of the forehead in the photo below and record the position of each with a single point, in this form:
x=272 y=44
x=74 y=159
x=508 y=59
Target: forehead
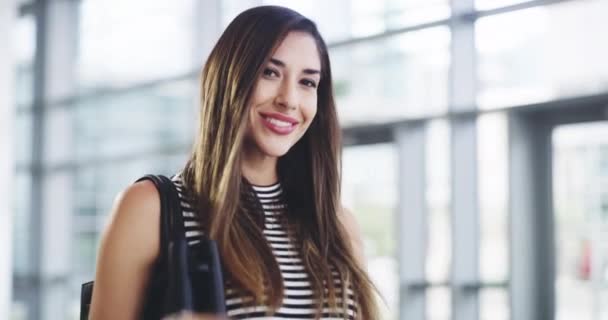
x=299 y=51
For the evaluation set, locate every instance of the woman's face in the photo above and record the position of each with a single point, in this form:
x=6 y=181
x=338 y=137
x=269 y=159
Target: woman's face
x=284 y=98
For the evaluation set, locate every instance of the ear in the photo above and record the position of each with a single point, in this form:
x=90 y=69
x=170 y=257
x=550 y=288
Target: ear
x=353 y=232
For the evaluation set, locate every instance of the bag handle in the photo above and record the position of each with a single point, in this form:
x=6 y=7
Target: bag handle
x=172 y=221
x=174 y=246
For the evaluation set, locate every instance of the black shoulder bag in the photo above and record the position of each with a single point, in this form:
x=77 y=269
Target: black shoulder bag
x=184 y=277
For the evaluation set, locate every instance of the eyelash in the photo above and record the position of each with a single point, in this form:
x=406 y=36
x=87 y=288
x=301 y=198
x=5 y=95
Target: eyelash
x=268 y=72
x=309 y=83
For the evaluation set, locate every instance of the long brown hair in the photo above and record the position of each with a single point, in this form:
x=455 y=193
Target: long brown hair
x=309 y=173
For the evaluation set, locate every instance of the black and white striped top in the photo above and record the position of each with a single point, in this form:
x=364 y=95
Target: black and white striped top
x=298 y=302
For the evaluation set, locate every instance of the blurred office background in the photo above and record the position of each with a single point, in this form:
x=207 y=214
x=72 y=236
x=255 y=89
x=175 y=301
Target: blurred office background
x=475 y=158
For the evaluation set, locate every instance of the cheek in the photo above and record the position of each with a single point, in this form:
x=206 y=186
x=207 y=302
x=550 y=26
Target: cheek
x=258 y=96
x=263 y=90
x=309 y=111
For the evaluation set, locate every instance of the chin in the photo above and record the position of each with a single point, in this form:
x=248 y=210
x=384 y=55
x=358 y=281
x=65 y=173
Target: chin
x=275 y=150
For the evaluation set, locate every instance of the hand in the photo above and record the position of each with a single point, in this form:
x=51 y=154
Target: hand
x=194 y=316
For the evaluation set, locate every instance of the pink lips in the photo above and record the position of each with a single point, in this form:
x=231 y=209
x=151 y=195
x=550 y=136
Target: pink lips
x=281 y=130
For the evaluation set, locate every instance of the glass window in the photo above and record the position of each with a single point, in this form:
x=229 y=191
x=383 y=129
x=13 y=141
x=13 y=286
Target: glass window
x=24 y=2
x=580 y=232
x=21 y=223
x=57 y=136
x=96 y=185
x=438 y=198
x=86 y=191
x=542 y=53
x=494 y=218
x=604 y=157
x=494 y=304
x=438 y=302
x=371 y=193
x=23 y=137
x=438 y=203
x=18 y=311
x=604 y=188
x=85 y=251
x=141 y=120
x=493 y=197
x=493 y=4
x=25 y=31
x=390 y=79
x=333 y=18
x=231 y=8
x=344 y=19
x=402 y=13
x=122 y=42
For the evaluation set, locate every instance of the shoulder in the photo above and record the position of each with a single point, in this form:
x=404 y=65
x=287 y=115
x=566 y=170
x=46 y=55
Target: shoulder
x=129 y=247
x=140 y=195
x=135 y=219
x=140 y=202
x=353 y=232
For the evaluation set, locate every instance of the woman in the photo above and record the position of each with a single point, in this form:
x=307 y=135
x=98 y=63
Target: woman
x=263 y=181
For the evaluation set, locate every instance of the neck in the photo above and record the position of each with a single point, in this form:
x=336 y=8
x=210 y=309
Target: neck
x=258 y=168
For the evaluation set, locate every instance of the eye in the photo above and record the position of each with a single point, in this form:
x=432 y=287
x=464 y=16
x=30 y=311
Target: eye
x=270 y=73
x=309 y=83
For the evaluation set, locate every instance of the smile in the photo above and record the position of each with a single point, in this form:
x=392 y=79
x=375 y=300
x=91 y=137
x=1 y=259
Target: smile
x=278 y=123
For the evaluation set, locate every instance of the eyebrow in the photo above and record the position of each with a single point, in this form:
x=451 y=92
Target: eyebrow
x=282 y=65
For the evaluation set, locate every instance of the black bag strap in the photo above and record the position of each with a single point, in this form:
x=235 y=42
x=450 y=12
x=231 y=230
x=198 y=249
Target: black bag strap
x=174 y=247
x=171 y=219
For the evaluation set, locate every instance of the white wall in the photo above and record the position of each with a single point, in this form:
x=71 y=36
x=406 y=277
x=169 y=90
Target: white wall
x=7 y=21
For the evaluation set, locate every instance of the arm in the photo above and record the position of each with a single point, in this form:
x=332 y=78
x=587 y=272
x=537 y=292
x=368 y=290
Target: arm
x=353 y=232
x=129 y=247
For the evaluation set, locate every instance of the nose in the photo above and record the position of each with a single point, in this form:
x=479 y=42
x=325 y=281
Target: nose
x=287 y=96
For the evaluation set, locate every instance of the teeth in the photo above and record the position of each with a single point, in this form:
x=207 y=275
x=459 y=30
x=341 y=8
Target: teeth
x=278 y=123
